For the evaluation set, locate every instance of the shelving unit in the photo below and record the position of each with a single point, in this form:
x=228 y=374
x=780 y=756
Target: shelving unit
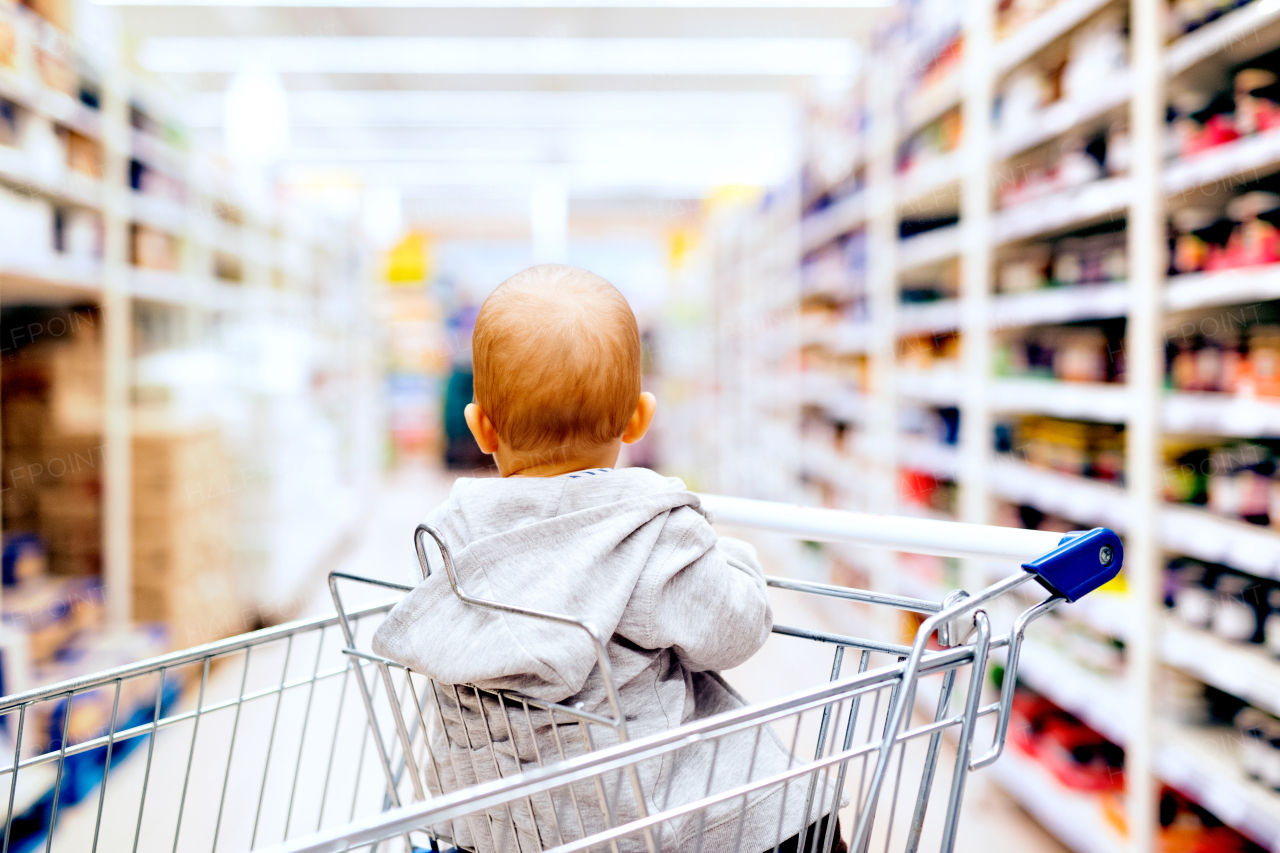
x=245 y=268
x=854 y=382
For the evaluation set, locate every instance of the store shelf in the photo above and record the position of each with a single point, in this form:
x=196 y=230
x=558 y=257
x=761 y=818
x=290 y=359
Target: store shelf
x=1047 y=28
x=833 y=222
x=928 y=104
x=1079 y=499
x=1201 y=534
x=158 y=154
x=940 y=316
x=820 y=461
x=1074 y=817
x=922 y=454
x=1093 y=401
x=1248 y=31
x=1243 y=670
x=1060 y=305
x=1074 y=208
x=1244 y=159
x=1221 y=414
x=932 y=188
x=1230 y=287
x=939 y=385
x=57 y=280
x=55 y=106
x=849 y=338
x=1062 y=117
x=158 y=213
x=824 y=391
x=931 y=247
x=69 y=187
x=1187 y=530
x=1204 y=764
x=1098 y=701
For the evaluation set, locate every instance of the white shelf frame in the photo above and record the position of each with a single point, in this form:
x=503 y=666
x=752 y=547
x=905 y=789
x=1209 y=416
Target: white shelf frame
x=116 y=284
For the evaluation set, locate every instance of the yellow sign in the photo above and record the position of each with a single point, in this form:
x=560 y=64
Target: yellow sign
x=408 y=262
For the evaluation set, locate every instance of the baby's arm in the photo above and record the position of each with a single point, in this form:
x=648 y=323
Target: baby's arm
x=708 y=603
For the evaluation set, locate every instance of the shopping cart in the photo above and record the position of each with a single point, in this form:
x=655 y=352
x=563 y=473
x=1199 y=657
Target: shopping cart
x=294 y=738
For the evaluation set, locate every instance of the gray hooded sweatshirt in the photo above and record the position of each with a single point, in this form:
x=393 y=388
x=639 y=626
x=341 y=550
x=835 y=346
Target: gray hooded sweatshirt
x=633 y=553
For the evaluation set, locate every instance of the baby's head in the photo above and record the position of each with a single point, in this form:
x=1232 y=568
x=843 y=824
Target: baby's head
x=557 y=373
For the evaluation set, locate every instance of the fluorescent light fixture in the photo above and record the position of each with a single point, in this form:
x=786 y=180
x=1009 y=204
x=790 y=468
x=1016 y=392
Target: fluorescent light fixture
x=255 y=117
x=785 y=56
x=516 y=4
x=670 y=173
x=492 y=110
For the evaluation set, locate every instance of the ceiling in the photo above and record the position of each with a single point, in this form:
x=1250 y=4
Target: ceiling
x=462 y=109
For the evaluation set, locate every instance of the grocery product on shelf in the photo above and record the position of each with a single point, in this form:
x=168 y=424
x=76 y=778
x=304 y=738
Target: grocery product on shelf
x=1185 y=826
x=926 y=491
x=1231 y=604
x=1091 y=255
x=834 y=150
x=153 y=249
x=1235 y=479
x=939 y=137
x=1187 y=16
x=1097 y=56
x=1246 y=237
x=1085 y=449
x=1012 y=15
x=1079 y=160
x=928 y=351
x=1080 y=352
x=837 y=271
x=1077 y=756
x=1249 y=104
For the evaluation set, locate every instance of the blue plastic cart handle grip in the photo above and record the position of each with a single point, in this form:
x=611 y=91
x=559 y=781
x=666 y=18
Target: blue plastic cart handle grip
x=1081 y=563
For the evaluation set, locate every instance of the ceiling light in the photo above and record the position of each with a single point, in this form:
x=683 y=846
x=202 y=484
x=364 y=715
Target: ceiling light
x=826 y=57
x=504 y=110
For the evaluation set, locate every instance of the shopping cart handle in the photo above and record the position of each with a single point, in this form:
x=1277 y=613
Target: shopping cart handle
x=1081 y=563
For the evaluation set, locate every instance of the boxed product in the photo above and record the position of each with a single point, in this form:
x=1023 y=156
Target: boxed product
x=154 y=249
x=8 y=40
x=51 y=610
x=84 y=155
x=1073 y=447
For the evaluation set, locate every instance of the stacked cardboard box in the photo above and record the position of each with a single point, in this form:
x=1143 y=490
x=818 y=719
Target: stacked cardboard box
x=183 y=516
x=53 y=455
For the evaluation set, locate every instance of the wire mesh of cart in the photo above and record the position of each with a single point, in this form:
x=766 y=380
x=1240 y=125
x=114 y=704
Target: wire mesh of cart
x=293 y=738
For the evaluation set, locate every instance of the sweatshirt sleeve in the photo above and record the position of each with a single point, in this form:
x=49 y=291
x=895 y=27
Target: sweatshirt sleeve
x=708 y=602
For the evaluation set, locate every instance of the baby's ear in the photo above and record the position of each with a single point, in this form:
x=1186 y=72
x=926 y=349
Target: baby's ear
x=640 y=419
x=481 y=428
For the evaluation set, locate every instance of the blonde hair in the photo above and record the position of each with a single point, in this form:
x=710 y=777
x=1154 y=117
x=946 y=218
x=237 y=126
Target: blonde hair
x=557 y=360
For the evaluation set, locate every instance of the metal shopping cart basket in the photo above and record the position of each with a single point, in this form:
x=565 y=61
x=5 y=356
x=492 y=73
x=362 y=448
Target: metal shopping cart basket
x=293 y=738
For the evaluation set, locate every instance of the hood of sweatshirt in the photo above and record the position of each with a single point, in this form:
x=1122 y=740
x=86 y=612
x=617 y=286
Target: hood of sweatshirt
x=574 y=545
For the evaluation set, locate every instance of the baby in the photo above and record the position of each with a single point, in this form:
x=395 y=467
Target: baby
x=557 y=393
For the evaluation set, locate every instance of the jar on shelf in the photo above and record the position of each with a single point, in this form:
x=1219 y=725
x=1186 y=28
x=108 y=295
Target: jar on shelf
x=1260 y=746
x=1191 y=598
x=1271 y=625
x=1235 y=617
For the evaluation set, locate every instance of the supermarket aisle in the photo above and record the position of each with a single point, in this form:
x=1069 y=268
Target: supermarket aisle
x=383 y=546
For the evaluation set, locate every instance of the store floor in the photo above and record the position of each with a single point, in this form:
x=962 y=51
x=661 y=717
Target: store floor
x=990 y=820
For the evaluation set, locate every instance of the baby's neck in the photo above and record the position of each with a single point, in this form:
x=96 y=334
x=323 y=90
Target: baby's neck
x=516 y=464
